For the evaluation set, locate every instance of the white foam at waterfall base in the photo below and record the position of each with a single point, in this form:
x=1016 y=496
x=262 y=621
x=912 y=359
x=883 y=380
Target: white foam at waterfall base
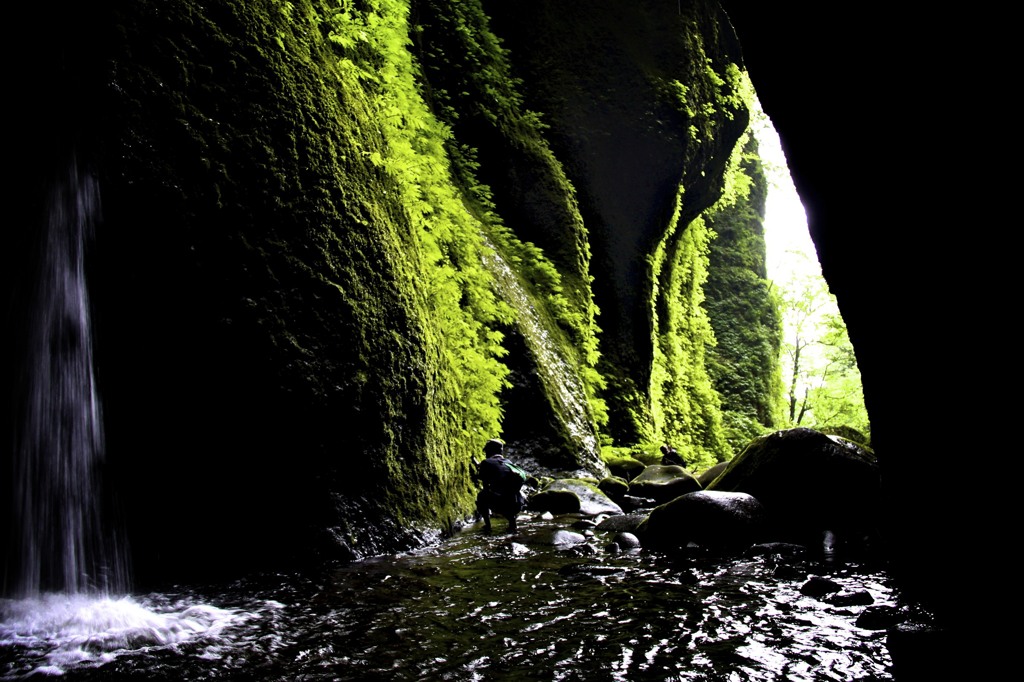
x=80 y=629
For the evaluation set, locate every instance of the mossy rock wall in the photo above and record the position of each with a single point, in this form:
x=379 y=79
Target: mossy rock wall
x=644 y=128
x=280 y=368
x=299 y=346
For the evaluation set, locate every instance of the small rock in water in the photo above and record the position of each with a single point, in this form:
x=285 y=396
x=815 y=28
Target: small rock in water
x=818 y=587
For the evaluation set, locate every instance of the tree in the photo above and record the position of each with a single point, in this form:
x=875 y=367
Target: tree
x=837 y=400
x=824 y=387
x=804 y=299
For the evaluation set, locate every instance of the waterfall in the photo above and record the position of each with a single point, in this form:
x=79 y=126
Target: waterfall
x=70 y=569
x=557 y=374
x=58 y=536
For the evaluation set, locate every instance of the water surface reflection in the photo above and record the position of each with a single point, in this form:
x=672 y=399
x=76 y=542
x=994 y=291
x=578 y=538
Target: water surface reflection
x=480 y=607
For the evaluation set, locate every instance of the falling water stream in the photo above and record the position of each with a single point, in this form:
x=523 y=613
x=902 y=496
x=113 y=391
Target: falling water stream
x=61 y=538
x=71 y=575
x=560 y=379
x=558 y=601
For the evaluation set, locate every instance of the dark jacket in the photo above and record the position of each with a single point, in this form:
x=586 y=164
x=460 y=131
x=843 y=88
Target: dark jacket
x=502 y=488
x=496 y=477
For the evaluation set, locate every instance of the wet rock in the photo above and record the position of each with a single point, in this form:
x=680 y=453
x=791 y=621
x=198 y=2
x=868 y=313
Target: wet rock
x=819 y=587
x=810 y=483
x=631 y=503
x=917 y=653
x=590 y=500
x=586 y=525
x=706 y=477
x=585 y=549
x=626 y=541
x=850 y=598
x=615 y=487
x=706 y=519
x=880 y=617
x=554 y=537
x=555 y=502
x=566 y=538
x=781 y=548
x=787 y=572
x=663 y=483
x=622 y=522
x=626 y=468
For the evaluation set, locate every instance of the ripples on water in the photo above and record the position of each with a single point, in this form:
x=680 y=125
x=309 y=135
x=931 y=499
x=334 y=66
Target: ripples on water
x=475 y=607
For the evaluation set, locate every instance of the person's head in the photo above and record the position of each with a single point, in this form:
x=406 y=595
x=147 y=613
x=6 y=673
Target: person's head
x=493 y=447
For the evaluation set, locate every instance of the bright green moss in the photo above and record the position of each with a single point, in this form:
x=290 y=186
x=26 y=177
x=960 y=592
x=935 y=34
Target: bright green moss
x=343 y=177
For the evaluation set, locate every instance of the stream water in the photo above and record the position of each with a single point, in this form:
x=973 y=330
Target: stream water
x=554 y=602
x=474 y=607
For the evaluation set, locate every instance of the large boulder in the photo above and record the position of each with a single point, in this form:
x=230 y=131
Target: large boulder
x=572 y=495
x=615 y=487
x=627 y=522
x=710 y=519
x=555 y=502
x=708 y=475
x=663 y=482
x=810 y=484
x=625 y=466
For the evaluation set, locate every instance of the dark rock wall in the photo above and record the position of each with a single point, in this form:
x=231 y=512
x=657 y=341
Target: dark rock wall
x=848 y=94
x=270 y=390
x=262 y=352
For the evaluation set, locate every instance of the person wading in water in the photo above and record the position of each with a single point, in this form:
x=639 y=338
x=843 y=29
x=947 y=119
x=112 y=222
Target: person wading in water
x=502 y=486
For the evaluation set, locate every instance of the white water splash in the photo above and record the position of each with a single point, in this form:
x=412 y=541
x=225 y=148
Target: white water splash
x=71 y=559
x=70 y=631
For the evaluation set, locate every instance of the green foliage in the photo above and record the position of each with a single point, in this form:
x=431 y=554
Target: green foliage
x=716 y=376
x=455 y=217
x=683 y=401
x=686 y=409
x=824 y=386
x=739 y=429
x=379 y=218
x=744 y=312
x=445 y=247
x=647 y=453
x=738 y=93
x=837 y=401
x=469 y=84
x=707 y=98
x=694 y=298
x=453 y=213
x=630 y=406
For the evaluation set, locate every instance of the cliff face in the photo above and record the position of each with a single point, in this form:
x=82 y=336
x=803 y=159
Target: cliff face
x=645 y=106
x=814 y=85
x=341 y=246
